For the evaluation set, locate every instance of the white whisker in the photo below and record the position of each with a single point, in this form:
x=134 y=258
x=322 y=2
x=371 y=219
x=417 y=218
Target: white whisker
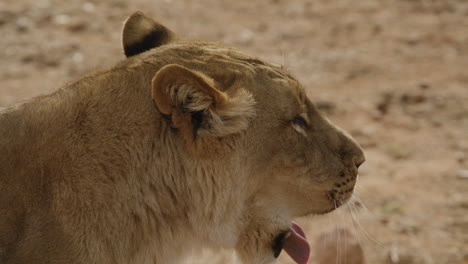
x=354 y=225
x=337 y=237
x=361 y=203
x=364 y=230
x=336 y=224
x=345 y=243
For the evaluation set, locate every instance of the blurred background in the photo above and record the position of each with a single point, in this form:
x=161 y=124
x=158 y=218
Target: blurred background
x=394 y=73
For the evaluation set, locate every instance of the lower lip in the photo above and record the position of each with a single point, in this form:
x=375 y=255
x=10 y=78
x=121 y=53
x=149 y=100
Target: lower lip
x=326 y=211
x=338 y=203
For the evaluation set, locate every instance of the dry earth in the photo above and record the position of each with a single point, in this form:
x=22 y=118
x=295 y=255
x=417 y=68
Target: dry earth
x=392 y=72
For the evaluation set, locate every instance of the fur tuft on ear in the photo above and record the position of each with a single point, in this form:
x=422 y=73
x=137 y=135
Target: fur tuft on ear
x=140 y=33
x=196 y=106
x=232 y=116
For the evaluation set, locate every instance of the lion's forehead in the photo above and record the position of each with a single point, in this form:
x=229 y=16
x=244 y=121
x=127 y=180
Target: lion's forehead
x=259 y=72
x=215 y=54
x=229 y=65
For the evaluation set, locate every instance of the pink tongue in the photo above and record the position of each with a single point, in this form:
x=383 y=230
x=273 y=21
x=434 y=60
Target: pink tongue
x=295 y=244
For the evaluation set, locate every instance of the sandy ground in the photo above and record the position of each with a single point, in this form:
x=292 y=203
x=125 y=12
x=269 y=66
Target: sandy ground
x=394 y=73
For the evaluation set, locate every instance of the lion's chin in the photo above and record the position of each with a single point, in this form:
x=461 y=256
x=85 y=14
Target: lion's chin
x=329 y=210
x=335 y=204
x=316 y=212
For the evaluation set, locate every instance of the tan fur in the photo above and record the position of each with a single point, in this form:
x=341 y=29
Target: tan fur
x=141 y=33
x=187 y=145
x=179 y=92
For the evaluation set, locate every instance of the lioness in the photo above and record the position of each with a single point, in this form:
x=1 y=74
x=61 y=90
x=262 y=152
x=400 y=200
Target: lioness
x=183 y=144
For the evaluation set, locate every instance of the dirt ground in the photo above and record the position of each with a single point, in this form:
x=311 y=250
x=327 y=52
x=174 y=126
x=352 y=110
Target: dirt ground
x=394 y=73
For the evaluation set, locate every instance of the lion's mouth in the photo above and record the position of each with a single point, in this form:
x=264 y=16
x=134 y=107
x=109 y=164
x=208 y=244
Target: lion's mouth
x=339 y=196
x=294 y=242
x=326 y=211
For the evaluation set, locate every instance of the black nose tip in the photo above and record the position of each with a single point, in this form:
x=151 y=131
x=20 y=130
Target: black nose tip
x=358 y=161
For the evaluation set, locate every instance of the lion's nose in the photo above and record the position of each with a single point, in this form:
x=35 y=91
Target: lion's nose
x=359 y=159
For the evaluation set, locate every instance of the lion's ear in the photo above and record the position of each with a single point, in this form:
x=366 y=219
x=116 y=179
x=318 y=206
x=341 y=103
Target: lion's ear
x=196 y=106
x=141 y=33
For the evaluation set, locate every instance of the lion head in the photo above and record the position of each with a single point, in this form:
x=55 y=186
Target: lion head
x=249 y=127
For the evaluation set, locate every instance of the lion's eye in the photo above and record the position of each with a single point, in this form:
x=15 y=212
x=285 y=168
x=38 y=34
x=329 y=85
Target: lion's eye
x=300 y=121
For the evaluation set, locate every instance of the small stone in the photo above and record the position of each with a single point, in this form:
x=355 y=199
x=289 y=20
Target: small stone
x=458 y=201
x=246 y=36
x=27 y=58
x=77 y=57
x=384 y=220
x=397 y=152
x=77 y=26
x=62 y=19
x=412 y=98
x=369 y=130
x=338 y=246
x=424 y=86
x=89 y=7
x=393 y=207
x=23 y=24
x=384 y=104
x=6 y=17
x=460 y=156
x=462 y=174
x=43 y=4
x=407 y=226
x=399 y=256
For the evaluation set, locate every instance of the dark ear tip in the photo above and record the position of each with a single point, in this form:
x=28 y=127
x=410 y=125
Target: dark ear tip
x=137 y=20
x=141 y=33
x=136 y=14
x=139 y=13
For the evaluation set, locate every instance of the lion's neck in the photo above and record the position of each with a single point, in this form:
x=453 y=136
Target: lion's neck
x=199 y=192
x=115 y=147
